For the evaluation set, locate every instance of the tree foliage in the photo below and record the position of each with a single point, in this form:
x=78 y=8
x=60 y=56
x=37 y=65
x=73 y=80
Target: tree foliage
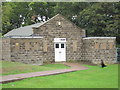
x=99 y=19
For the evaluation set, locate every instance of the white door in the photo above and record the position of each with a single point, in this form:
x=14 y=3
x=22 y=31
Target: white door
x=60 y=51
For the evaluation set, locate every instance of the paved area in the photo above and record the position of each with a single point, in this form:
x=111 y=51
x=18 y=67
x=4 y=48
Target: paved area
x=11 y=78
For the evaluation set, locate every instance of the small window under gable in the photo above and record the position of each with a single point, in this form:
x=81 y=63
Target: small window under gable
x=58 y=23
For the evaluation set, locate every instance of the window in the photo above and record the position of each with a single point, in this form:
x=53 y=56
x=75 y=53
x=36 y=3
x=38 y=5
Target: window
x=58 y=23
x=57 y=45
x=16 y=44
x=62 y=45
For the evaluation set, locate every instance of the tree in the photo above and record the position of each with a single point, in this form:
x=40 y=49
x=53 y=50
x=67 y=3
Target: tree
x=101 y=19
x=43 y=10
x=70 y=9
x=17 y=14
x=13 y=15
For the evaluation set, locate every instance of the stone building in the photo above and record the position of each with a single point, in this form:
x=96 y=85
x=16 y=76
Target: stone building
x=56 y=40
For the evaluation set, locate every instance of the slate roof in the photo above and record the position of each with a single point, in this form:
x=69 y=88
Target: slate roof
x=26 y=30
x=22 y=31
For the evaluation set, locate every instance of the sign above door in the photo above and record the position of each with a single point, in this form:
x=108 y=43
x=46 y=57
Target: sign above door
x=60 y=40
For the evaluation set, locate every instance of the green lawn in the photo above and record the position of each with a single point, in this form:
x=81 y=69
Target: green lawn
x=94 y=77
x=9 y=68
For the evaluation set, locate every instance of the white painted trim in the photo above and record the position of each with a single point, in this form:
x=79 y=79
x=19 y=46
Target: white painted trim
x=25 y=37
x=60 y=53
x=61 y=40
x=100 y=38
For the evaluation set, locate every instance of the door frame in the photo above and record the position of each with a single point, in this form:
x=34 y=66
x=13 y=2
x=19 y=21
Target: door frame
x=59 y=41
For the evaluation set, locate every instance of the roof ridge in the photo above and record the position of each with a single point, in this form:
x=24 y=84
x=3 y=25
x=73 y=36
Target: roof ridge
x=47 y=20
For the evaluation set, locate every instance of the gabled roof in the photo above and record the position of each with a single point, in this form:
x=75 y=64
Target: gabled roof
x=26 y=30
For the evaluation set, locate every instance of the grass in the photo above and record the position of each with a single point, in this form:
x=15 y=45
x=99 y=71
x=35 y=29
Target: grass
x=9 y=68
x=94 y=77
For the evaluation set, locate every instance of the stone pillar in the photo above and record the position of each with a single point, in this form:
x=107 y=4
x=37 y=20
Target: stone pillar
x=6 y=52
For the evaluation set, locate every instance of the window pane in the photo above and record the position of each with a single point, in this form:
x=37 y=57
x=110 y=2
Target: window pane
x=62 y=45
x=57 y=46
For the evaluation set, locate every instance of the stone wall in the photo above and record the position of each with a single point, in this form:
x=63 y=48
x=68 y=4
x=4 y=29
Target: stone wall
x=27 y=50
x=41 y=50
x=66 y=29
x=99 y=48
x=5 y=50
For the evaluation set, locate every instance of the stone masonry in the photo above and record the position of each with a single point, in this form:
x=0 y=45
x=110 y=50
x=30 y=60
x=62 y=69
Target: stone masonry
x=99 y=48
x=41 y=50
x=6 y=51
x=25 y=50
x=68 y=30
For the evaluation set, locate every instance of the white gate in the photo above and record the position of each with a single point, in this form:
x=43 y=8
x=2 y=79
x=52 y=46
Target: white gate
x=60 y=49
